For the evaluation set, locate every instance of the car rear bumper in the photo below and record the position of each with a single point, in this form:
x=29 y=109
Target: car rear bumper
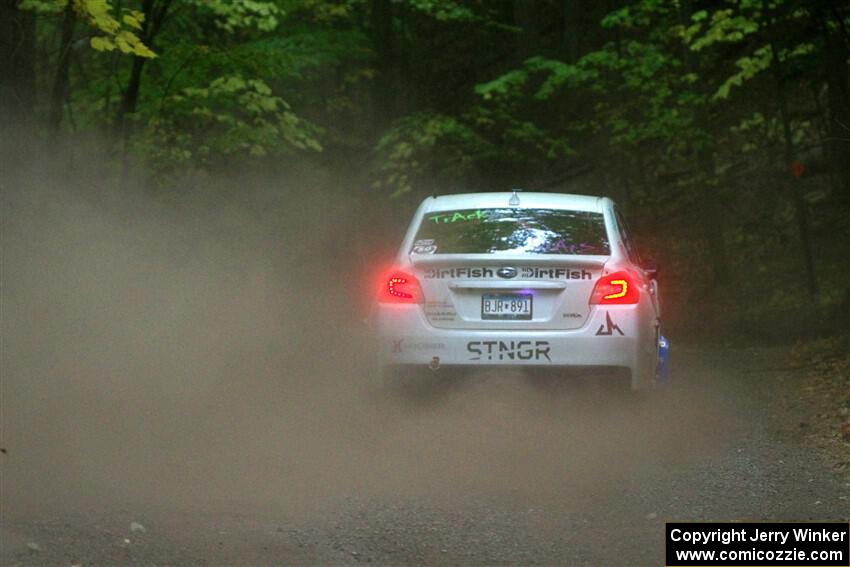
x=612 y=336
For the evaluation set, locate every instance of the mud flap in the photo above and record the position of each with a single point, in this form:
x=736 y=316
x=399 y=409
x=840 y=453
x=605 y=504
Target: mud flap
x=663 y=360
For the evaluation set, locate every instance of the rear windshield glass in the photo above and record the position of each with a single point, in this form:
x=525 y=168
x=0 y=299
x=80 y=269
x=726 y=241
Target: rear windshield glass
x=512 y=230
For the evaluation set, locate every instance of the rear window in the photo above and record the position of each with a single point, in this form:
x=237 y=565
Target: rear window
x=512 y=230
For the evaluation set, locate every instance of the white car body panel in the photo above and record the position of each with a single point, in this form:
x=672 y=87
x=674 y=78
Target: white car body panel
x=449 y=328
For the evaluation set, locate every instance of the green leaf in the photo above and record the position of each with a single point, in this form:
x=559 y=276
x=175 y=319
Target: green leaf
x=102 y=44
x=132 y=21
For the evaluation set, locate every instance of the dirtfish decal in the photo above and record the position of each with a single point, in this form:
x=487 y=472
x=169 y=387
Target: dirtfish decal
x=557 y=274
x=488 y=273
x=509 y=350
x=435 y=273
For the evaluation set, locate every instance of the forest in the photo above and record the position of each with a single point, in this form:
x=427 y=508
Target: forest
x=722 y=127
x=199 y=199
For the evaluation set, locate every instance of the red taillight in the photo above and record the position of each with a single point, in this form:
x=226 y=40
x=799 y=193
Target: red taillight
x=619 y=288
x=399 y=287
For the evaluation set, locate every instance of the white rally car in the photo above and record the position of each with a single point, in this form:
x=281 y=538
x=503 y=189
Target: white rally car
x=518 y=279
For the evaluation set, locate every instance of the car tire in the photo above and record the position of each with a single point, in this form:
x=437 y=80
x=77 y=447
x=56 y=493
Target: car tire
x=647 y=374
x=384 y=375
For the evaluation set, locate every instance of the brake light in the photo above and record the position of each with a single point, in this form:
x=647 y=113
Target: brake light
x=619 y=288
x=400 y=287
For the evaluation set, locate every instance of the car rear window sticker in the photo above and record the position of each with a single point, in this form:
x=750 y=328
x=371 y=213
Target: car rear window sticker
x=424 y=246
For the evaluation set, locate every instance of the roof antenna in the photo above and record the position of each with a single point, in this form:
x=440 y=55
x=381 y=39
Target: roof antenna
x=514 y=200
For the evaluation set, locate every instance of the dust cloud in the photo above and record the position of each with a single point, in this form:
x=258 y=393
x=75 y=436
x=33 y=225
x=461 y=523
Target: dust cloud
x=204 y=347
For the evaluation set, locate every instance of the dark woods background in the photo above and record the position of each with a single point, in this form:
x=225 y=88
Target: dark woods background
x=721 y=127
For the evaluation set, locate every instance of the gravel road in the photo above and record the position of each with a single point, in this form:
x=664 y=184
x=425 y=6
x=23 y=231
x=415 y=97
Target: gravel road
x=496 y=469
x=187 y=383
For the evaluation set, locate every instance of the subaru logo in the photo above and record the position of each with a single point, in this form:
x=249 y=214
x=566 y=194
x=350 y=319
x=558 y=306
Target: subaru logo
x=506 y=273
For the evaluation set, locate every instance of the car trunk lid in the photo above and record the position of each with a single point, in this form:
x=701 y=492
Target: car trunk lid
x=523 y=292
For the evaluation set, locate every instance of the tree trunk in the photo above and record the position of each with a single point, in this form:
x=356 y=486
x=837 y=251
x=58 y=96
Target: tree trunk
x=711 y=217
x=574 y=27
x=525 y=18
x=129 y=101
x=17 y=68
x=384 y=44
x=649 y=190
x=800 y=210
x=59 y=93
x=154 y=16
x=838 y=110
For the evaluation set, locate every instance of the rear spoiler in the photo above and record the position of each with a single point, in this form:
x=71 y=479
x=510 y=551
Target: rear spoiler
x=428 y=260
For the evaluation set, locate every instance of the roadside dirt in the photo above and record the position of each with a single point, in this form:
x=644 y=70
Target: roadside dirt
x=824 y=365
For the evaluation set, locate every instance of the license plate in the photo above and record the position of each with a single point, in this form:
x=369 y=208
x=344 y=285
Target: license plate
x=506 y=306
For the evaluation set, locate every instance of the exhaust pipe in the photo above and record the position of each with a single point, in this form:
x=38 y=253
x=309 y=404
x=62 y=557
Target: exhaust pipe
x=435 y=363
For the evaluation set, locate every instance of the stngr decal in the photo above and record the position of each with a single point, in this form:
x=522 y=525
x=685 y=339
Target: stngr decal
x=509 y=350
